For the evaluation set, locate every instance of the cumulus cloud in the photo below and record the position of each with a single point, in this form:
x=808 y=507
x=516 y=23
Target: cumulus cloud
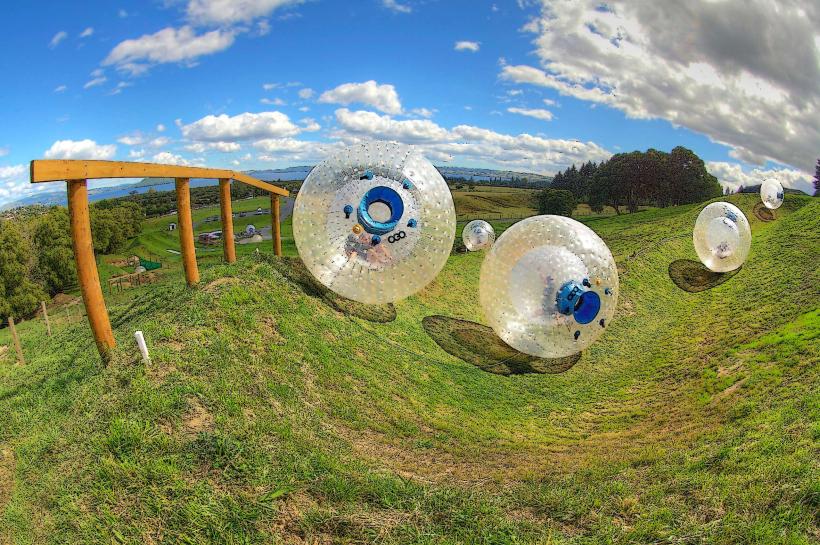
x=87 y=32
x=743 y=72
x=731 y=175
x=306 y=93
x=167 y=45
x=467 y=46
x=467 y=142
x=245 y=126
x=228 y=12
x=168 y=158
x=382 y=97
x=80 y=149
x=14 y=183
x=273 y=101
x=395 y=6
x=160 y=127
x=224 y=147
x=537 y=113
x=59 y=37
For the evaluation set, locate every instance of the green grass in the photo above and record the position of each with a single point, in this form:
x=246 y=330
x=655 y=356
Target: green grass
x=268 y=417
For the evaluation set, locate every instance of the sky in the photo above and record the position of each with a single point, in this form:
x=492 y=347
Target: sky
x=524 y=85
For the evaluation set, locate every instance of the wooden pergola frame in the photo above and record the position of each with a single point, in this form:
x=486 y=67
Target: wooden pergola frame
x=76 y=174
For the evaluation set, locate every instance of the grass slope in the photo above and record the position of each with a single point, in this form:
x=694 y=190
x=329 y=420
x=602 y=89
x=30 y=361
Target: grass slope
x=268 y=417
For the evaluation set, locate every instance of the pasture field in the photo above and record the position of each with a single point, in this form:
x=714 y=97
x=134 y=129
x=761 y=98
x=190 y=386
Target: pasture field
x=268 y=415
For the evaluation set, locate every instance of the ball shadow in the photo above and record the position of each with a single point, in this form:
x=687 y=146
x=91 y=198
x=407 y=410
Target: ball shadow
x=693 y=277
x=295 y=271
x=479 y=345
x=762 y=213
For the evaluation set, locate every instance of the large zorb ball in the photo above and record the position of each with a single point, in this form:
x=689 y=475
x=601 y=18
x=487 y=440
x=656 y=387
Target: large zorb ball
x=375 y=222
x=478 y=235
x=722 y=237
x=771 y=193
x=549 y=286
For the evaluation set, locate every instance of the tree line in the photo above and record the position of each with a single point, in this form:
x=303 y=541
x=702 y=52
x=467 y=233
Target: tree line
x=36 y=256
x=630 y=180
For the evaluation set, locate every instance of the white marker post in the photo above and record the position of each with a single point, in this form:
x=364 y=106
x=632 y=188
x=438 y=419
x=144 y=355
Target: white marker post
x=142 y=346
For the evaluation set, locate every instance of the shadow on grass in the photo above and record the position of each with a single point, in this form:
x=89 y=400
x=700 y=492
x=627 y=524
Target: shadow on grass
x=762 y=213
x=294 y=270
x=479 y=345
x=694 y=277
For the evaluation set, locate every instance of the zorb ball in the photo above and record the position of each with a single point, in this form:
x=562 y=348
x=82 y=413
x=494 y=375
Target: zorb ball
x=375 y=222
x=771 y=193
x=478 y=235
x=722 y=237
x=549 y=286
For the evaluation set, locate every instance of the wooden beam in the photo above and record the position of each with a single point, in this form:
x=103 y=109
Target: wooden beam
x=228 y=247
x=87 y=274
x=45 y=316
x=16 y=340
x=276 y=227
x=185 y=226
x=52 y=170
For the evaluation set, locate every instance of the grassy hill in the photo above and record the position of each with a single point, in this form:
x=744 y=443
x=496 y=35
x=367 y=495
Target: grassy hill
x=269 y=416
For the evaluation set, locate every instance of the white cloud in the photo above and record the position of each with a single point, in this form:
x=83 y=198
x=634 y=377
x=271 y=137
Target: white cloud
x=396 y=7
x=158 y=142
x=515 y=92
x=382 y=97
x=87 y=32
x=136 y=154
x=80 y=149
x=228 y=12
x=304 y=108
x=423 y=112
x=4 y=152
x=731 y=175
x=550 y=102
x=245 y=126
x=537 y=113
x=467 y=46
x=309 y=124
x=59 y=37
x=120 y=86
x=747 y=76
x=273 y=101
x=134 y=139
x=60 y=89
x=14 y=183
x=168 y=158
x=224 y=147
x=122 y=14
x=167 y=45
x=306 y=93
x=466 y=142
x=160 y=127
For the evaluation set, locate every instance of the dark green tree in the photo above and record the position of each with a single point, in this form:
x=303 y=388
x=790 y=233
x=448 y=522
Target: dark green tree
x=817 y=179
x=55 y=256
x=556 y=201
x=19 y=295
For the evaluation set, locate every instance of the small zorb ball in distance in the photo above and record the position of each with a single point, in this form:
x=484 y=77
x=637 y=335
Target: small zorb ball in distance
x=771 y=193
x=549 y=286
x=478 y=235
x=375 y=222
x=722 y=237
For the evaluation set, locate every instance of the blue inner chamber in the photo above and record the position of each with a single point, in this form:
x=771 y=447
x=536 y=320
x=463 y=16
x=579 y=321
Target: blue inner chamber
x=583 y=303
x=387 y=196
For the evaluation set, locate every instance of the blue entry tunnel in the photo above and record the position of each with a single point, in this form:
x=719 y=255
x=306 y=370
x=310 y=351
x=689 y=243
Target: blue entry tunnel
x=387 y=196
x=579 y=301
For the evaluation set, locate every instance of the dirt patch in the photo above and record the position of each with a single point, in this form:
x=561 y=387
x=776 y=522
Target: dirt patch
x=197 y=419
x=3 y=350
x=213 y=287
x=270 y=330
x=762 y=213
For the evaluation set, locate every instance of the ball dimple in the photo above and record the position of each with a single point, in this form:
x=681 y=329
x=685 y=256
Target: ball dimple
x=772 y=194
x=533 y=264
x=408 y=227
x=722 y=237
x=478 y=235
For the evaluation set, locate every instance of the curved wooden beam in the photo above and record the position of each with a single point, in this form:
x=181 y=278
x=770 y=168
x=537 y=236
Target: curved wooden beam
x=52 y=170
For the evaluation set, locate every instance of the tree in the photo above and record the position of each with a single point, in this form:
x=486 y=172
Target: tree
x=55 y=256
x=817 y=179
x=19 y=295
x=556 y=201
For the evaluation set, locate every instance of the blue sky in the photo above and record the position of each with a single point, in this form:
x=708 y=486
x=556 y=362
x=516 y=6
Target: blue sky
x=527 y=85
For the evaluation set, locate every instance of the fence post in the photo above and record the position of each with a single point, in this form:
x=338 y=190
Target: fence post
x=87 y=275
x=276 y=227
x=185 y=226
x=228 y=248
x=45 y=315
x=16 y=341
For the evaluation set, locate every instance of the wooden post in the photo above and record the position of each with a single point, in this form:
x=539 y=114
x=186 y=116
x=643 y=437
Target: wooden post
x=87 y=274
x=16 y=340
x=228 y=248
x=276 y=228
x=45 y=315
x=185 y=226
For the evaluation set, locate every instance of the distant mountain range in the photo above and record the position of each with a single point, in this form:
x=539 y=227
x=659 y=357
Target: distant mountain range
x=58 y=195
